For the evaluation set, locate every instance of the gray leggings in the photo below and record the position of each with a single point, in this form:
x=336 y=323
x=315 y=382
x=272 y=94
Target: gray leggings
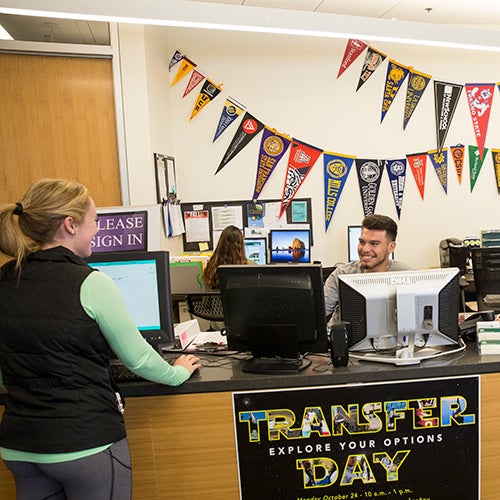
x=104 y=476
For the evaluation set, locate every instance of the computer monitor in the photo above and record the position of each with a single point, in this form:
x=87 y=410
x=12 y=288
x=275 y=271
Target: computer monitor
x=143 y=279
x=290 y=245
x=277 y=312
x=353 y=235
x=256 y=249
x=401 y=317
x=486 y=268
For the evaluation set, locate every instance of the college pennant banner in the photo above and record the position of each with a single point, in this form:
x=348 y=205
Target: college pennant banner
x=495 y=154
x=272 y=148
x=336 y=170
x=417 y=83
x=231 y=110
x=300 y=162
x=373 y=59
x=418 y=163
x=396 y=169
x=457 y=153
x=208 y=93
x=176 y=58
x=440 y=162
x=476 y=161
x=185 y=67
x=369 y=178
x=194 y=80
x=352 y=50
x=479 y=98
x=248 y=129
x=396 y=75
x=445 y=102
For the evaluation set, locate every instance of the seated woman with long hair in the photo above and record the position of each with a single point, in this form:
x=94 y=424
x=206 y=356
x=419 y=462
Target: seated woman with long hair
x=229 y=250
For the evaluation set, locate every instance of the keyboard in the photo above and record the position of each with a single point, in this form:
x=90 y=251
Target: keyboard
x=121 y=373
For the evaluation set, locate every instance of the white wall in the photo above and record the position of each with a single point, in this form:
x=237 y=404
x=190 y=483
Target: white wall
x=290 y=83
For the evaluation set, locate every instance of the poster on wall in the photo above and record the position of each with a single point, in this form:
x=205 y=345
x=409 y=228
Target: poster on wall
x=402 y=440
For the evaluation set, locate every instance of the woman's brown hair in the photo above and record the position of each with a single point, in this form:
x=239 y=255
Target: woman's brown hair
x=230 y=250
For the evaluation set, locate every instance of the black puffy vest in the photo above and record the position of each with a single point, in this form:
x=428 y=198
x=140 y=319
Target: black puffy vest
x=54 y=360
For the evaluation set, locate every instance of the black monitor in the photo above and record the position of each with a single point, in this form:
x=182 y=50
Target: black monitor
x=401 y=317
x=290 y=245
x=143 y=279
x=277 y=312
x=486 y=268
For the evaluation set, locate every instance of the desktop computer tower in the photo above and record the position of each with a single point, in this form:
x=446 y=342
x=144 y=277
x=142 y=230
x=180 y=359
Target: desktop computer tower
x=453 y=253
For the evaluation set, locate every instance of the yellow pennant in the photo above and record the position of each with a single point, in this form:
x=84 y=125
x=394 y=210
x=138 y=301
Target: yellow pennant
x=209 y=92
x=185 y=67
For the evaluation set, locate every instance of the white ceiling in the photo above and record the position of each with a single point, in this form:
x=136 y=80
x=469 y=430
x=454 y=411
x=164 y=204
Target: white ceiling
x=484 y=14
x=466 y=12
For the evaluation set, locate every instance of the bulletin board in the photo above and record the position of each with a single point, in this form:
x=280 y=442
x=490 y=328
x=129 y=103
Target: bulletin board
x=203 y=220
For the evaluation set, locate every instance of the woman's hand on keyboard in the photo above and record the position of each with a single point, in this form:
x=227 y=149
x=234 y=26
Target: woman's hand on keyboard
x=188 y=361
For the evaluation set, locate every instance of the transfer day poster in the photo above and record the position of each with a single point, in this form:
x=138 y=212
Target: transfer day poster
x=401 y=440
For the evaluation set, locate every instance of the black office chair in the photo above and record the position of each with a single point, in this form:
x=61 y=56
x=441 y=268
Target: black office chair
x=326 y=271
x=205 y=305
x=486 y=266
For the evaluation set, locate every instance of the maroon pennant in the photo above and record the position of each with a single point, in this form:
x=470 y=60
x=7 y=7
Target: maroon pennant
x=353 y=49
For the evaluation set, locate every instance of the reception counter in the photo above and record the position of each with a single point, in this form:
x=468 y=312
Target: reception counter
x=182 y=439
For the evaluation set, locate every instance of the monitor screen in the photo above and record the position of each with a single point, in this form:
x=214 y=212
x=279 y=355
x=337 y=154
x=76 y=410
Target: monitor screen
x=290 y=245
x=486 y=268
x=277 y=312
x=353 y=235
x=401 y=317
x=143 y=279
x=256 y=249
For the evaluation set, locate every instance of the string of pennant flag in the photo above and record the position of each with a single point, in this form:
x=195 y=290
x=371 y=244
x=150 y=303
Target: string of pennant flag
x=336 y=167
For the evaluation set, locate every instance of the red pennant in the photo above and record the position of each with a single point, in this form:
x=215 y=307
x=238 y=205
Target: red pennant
x=353 y=49
x=194 y=80
x=480 y=97
x=418 y=163
x=301 y=160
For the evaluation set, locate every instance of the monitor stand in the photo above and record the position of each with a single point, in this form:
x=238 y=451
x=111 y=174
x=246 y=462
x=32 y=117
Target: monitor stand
x=276 y=366
x=408 y=355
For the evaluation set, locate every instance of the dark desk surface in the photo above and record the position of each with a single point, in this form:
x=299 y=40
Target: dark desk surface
x=224 y=373
x=220 y=374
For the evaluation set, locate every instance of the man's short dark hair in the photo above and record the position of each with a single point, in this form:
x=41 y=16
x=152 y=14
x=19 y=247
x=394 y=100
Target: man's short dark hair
x=381 y=223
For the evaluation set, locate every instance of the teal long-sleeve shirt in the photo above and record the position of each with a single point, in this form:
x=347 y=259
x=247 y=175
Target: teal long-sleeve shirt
x=102 y=301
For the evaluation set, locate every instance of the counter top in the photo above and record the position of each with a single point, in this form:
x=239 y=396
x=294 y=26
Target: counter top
x=223 y=373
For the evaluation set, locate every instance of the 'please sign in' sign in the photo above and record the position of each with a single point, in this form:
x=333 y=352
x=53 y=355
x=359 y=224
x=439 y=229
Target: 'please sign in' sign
x=121 y=232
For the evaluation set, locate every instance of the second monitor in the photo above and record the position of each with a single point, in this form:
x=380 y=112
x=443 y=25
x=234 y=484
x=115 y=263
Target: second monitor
x=256 y=249
x=290 y=245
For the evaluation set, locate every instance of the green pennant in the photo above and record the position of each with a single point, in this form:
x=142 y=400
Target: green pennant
x=475 y=164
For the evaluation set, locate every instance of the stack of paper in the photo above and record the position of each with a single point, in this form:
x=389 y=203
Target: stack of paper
x=488 y=337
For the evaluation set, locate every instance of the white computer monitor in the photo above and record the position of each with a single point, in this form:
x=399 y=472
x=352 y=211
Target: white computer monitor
x=401 y=317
